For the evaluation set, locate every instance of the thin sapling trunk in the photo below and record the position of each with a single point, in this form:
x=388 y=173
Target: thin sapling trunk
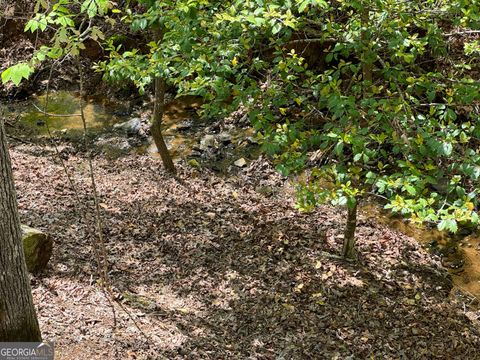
x=159 y=109
x=349 y=234
x=156 y=128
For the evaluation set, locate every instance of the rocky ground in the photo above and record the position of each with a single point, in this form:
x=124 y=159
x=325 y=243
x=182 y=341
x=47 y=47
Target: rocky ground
x=204 y=266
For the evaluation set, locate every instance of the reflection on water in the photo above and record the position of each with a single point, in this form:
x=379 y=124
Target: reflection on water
x=97 y=115
x=461 y=255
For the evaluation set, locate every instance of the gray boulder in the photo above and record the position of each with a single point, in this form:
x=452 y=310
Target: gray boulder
x=224 y=137
x=114 y=147
x=131 y=127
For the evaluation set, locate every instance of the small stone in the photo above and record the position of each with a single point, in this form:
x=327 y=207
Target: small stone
x=185 y=125
x=240 y=162
x=114 y=144
x=196 y=152
x=225 y=138
x=264 y=190
x=210 y=215
x=207 y=141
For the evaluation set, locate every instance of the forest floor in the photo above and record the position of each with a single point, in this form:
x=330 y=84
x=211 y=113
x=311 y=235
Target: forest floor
x=210 y=267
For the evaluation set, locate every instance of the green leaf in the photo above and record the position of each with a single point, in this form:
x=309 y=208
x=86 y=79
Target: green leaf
x=351 y=202
x=447 y=149
x=448 y=224
x=411 y=190
x=90 y=7
x=339 y=149
x=17 y=73
x=276 y=28
x=302 y=6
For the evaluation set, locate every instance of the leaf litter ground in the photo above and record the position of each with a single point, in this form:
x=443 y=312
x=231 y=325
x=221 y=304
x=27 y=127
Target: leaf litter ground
x=212 y=268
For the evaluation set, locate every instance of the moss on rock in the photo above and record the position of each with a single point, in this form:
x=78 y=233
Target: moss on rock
x=37 y=247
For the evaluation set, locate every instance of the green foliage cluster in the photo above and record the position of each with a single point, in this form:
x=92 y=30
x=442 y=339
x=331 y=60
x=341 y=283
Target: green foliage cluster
x=391 y=110
x=70 y=23
x=364 y=96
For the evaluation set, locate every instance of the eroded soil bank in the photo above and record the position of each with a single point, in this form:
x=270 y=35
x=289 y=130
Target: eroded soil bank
x=211 y=267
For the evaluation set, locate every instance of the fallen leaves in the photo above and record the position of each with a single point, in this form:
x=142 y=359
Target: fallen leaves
x=217 y=270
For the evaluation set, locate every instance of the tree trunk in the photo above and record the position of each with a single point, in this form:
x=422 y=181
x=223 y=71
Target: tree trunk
x=367 y=64
x=349 y=234
x=156 y=128
x=18 y=320
x=159 y=109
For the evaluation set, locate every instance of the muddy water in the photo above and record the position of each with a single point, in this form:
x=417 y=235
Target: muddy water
x=177 y=111
x=101 y=115
x=459 y=254
x=182 y=143
x=66 y=104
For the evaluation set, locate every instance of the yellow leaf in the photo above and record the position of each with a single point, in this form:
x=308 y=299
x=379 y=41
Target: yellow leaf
x=325 y=91
x=470 y=206
x=235 y=61
x=298 y=101
x=283 y=111
x=410 y=302
x=193 y=163
x=419 y=139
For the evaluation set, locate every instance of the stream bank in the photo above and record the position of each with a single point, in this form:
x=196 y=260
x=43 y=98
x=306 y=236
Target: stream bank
x=212 y=266
x=118 y=129
x=458 y=253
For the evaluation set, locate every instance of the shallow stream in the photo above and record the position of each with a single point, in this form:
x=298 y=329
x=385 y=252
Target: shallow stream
x=461 y=255
x=186 y=136
x=66 y=108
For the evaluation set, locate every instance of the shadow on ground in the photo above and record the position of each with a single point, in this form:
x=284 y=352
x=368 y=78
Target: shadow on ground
x=212 y=269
